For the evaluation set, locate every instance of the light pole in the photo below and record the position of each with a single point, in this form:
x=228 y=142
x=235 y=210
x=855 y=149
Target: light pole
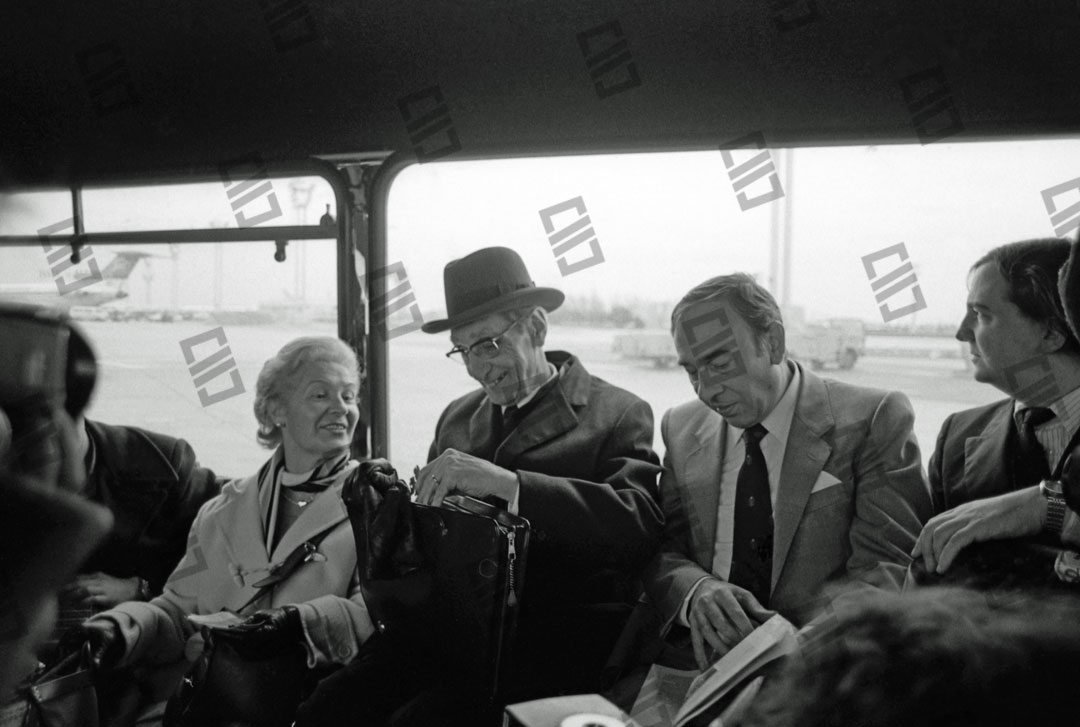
x=301 y=198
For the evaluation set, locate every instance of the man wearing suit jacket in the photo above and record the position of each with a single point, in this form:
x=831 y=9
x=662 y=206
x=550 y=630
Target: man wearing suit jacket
x=154 y=487
x=992 y=469
x=776 y=481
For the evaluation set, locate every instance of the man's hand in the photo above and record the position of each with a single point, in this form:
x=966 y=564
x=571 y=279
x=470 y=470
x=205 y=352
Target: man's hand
x=454 y=471
x=103 y=635
x=1013 y=515
x=721 y=615
x=100 y=590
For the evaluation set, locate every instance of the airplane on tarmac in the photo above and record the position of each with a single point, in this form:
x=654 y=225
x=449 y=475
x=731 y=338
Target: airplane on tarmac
x=83 y=285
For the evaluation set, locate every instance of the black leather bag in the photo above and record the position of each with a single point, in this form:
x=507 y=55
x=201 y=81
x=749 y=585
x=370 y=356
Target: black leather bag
x=449 y=577
x=1013 y=563
x=62 y=696
x=231 y=684
x=235 y=682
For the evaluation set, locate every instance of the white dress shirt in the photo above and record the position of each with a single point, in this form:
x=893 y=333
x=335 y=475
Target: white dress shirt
x=773 y=445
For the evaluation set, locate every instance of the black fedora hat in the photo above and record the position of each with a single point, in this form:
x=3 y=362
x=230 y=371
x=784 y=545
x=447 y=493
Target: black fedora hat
x=490 y=280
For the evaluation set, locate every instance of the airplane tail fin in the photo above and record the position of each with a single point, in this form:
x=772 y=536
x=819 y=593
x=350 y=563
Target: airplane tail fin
x=120 y=267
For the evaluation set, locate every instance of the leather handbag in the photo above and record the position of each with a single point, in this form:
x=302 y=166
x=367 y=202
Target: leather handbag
x=229 y=684
x=62 y=696
x=232 y=682
x=448 y=577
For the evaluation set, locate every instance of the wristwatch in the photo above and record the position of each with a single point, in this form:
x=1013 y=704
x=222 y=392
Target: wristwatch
x=1055 y=505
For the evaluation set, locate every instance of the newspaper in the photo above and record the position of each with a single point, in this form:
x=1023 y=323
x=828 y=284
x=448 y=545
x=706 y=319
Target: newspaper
x=673 y=697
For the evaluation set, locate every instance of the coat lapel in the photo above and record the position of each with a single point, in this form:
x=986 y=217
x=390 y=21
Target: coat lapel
x=805 y=456
x=240 y=526
x=986 y=468
x=552 y=415
x=702 y=477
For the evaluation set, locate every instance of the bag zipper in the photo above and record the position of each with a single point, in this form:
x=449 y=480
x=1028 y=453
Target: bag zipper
x=511 y=556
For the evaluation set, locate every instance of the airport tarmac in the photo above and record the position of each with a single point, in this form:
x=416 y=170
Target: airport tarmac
x=144 y=380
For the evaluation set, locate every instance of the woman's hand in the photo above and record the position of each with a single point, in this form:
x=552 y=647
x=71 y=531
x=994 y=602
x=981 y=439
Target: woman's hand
x=104 y=637
x=267 y=630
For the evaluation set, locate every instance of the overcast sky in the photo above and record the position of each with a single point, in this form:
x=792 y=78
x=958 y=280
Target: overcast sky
x=664 y=222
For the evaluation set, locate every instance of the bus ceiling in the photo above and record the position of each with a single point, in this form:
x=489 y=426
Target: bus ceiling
x=106 y=92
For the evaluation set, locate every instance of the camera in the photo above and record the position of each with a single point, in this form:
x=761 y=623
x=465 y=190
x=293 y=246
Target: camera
x=46 y=367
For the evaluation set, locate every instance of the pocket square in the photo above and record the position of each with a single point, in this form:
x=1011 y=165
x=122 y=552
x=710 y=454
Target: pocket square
x=823 y=482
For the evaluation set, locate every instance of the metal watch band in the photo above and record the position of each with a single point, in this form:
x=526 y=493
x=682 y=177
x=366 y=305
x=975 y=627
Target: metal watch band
x=1055 y=510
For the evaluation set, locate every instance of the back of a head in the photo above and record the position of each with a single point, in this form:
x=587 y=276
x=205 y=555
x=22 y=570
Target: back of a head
x=936 y=657
x=1031 y=267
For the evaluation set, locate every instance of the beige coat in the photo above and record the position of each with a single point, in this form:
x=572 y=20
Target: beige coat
x=226 y=554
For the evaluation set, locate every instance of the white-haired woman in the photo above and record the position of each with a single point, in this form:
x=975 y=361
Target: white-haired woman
x=306 y=406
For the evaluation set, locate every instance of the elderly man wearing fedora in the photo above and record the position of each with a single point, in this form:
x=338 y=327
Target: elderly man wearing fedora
x=568 y=451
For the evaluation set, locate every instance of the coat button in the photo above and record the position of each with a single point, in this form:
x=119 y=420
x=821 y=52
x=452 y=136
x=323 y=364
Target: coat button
x=344 y=652
x=750 y=502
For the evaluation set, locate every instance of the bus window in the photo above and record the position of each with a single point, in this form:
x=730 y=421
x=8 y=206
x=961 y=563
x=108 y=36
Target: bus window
x=849 y=225
x=181 y=330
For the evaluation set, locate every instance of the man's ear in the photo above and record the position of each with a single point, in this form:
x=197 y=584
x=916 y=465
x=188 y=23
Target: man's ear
x=1053 y=340
x=777 y=342
x=538 y=326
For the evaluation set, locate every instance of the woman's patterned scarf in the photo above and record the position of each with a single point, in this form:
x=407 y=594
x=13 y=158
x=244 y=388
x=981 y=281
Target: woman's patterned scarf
x=272 y=477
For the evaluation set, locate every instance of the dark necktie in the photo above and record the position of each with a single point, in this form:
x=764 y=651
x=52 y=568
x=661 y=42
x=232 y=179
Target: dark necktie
x=1031 y=464
x=512 y=415
x=751 y=552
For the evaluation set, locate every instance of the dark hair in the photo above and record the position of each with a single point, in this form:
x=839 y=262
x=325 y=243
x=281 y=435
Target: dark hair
x=1030 y=267
x=934 y=657
x=750 y=299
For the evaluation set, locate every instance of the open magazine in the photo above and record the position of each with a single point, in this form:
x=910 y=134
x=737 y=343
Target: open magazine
x=674 y=697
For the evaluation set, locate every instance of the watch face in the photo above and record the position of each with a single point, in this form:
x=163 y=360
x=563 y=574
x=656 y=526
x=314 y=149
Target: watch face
x=1052 y=487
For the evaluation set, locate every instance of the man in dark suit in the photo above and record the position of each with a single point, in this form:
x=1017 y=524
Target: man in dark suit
x=775 y=481
x=153 y=486
x=994 y=468
x=563 y=449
